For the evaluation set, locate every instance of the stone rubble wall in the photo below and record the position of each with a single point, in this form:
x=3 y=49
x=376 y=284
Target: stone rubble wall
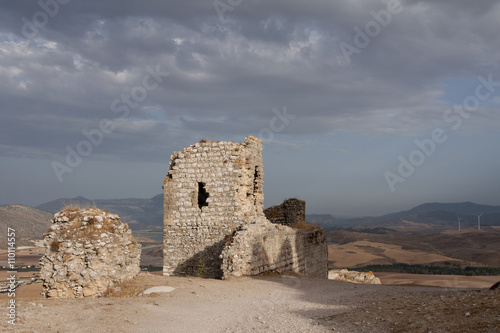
x=264 y=246
x=230 y=178
x=353 y=276
x=87 y=252
x=291 y=211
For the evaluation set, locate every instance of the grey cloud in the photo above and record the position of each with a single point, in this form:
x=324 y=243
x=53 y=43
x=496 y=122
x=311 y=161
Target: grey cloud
x=226 y=77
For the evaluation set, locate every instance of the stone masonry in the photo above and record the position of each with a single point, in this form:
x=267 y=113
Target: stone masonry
x=87 y=252
x=213 y=208
x=263 y=247
x=291 y=211
x=212 y=188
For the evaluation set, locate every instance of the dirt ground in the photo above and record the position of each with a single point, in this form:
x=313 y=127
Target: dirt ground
x=33 y=291
x=270 y=303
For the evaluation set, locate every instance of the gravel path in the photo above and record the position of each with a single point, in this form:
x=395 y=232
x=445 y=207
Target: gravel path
x=266 y=304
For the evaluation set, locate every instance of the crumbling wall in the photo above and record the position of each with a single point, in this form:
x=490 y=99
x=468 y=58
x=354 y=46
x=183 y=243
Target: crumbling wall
x=291 y=211
x=211 y=189
x=86 y=252
x=264 y=246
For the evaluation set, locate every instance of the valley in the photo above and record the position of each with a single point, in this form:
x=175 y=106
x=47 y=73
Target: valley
x=418 y=236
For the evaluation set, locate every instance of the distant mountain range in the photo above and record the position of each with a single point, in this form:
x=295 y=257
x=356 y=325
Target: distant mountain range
x=463 y=208
x=30 y=223
x=431 y=214
x=138 y=213
x=148 y=213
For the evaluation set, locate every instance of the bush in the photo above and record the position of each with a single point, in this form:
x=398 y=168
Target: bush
x=54 y=246
x=304 y=225
x=128 y=288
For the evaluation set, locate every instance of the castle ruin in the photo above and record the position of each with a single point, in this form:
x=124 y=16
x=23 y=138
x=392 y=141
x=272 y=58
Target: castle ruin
x=87 y=252
x=211 y=192
x=291 y=212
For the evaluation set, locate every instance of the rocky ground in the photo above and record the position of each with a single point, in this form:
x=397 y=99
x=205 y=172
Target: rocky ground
x=271 y=303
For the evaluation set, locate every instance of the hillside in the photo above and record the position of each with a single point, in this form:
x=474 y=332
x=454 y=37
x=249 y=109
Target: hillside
x=147 y=213
x=462 y=208
x=431 y=216
x=138 y=213
x=29 y=224
x=351 y=248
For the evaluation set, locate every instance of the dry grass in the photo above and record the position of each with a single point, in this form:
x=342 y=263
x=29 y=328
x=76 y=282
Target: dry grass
x=70 y=207
x=54 y=246
x=129 y=288
x=304 y=225
x=92 y=229
x=73 y=207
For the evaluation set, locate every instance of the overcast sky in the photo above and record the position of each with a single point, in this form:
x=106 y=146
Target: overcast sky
x=365 y=107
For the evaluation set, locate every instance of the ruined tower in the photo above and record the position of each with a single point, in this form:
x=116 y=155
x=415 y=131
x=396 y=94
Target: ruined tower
x=211 y=189
x=290 y=212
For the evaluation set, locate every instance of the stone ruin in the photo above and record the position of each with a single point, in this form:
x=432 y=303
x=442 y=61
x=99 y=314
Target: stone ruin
x=87 y=251
x=345 y=275
x=291 y=211
x=263 y=247
x=212 y=189
x=214 y=224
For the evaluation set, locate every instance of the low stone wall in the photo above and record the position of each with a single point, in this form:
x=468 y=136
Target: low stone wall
x=353 y=276
x=265 y=246
x=87 y=251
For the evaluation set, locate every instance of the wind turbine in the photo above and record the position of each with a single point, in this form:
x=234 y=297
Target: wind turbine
x=479 y=221
x=459 y=218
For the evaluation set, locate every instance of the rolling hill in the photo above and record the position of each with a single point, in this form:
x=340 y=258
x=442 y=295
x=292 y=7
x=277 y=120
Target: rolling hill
x=29 y=224
x=429 y=215
x=353 y=248
x=428 y=228
x=138 y=213
x=147 y=213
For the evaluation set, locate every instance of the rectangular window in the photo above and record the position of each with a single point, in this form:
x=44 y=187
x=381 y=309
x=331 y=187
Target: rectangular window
x=202 y=195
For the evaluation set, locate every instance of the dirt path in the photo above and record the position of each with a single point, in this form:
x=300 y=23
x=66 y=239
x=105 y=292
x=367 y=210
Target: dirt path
x=265 y=304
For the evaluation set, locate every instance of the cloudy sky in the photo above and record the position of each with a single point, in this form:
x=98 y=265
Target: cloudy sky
x=365 y=107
